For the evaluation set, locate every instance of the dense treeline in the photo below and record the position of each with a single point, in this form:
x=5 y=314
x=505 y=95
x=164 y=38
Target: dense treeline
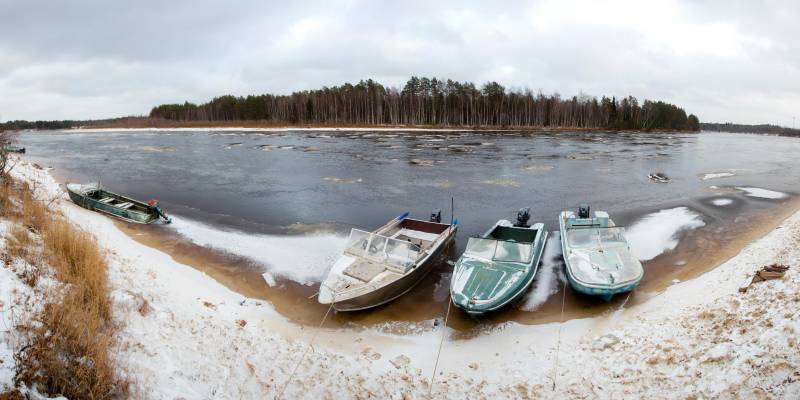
x=22 y=125
x=424 y=101
x=742 y=128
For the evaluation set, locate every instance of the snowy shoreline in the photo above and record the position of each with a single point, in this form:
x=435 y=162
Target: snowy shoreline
x=198 y=339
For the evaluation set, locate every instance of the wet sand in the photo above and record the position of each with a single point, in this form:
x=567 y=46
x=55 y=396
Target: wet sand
x=727 y=231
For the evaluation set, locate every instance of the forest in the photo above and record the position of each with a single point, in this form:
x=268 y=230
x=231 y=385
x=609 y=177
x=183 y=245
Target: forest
x=767 y=129
x=436 y=102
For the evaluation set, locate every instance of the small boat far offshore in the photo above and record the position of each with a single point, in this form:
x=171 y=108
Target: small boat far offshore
x=499 y=266
x=380 y=266
x=598 y=257
x=92 y=197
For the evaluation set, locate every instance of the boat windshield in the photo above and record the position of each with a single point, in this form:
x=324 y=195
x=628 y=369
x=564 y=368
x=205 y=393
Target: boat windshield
x=596 y=237
x=499 y=250
x=382 y=249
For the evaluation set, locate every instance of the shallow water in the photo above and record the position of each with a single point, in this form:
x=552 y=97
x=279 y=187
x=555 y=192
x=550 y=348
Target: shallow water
x=247 y=203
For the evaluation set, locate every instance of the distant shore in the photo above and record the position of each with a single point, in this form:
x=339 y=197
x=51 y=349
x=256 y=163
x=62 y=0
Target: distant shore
x=151 y=123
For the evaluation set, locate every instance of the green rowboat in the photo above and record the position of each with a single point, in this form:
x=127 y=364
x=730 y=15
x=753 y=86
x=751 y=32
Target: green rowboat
x=497 y=267
x=92 y=197
x=14 y=149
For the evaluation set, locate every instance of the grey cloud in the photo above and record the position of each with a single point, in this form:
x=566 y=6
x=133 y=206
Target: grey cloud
x=725 y=61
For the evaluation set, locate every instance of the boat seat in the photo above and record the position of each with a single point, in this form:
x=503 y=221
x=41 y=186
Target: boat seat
x=106 y=200
x=125 y=206
x=364 y=271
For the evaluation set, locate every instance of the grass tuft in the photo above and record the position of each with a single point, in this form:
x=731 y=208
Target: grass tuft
x=66 y=350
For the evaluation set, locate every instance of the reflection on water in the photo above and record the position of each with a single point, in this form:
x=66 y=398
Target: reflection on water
x=282 y=202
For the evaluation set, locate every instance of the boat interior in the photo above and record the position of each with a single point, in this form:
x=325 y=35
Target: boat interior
x=396 y=247
x=115 y=200
x=513 y=234
x=419 y=233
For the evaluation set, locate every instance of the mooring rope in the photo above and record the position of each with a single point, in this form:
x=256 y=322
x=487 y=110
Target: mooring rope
x=561 y=324
x=310 y=346
x=439 y=352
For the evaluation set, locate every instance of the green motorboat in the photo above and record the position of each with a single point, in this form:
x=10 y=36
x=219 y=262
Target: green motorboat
x=92 y=197
x=497 y=267
x=599 y=260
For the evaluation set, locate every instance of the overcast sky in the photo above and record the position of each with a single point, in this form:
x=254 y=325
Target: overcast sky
x=722 y=60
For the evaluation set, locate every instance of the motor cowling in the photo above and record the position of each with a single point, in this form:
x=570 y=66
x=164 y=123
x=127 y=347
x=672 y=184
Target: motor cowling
x=523 y=215
x=436 y=215
x=153 y=203
x=583 y=211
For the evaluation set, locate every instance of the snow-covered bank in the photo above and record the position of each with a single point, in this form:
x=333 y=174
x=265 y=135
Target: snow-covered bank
x=184 y=335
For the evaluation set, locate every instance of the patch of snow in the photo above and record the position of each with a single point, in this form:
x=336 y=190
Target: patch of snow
x=304 y=259
x=762 y=193
x=657 y=233
x=722 y=202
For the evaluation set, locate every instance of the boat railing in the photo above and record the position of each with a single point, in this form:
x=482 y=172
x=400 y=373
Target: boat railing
x=396 y=253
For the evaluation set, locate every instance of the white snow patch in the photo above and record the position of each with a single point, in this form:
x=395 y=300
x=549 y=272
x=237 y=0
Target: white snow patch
x=548 y=276
x=761 y=193
x=722 y=202
x=716 y=175
x=657 y=233
x=304 y=259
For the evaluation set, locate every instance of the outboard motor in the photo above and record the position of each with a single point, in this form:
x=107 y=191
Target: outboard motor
x=436 y=215
x=583 y=211
x=155 y=207
x=523 y=215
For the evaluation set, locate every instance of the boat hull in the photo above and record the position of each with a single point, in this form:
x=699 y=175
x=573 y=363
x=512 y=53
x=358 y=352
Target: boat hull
x=604 y=293
x=399 y=287
x=126 y=215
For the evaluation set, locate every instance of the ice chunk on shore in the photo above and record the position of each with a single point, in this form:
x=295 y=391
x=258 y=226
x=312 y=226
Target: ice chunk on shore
x=657 y=233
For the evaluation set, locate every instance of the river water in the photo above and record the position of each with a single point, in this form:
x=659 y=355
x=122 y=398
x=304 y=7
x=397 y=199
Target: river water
x=267 y=212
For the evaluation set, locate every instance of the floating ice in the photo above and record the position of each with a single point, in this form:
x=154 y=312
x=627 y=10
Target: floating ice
x=762 y=193
x=548 y=277
x=722 y=202
x=657 y=233
x=304 y=258
x=715 y=175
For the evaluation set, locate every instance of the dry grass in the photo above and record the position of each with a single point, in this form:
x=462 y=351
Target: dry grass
x=67 y=347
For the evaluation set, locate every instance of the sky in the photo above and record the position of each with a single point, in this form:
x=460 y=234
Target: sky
x=735 y=61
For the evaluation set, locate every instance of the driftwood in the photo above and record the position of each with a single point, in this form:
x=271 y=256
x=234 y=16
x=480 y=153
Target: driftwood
x=769 y=272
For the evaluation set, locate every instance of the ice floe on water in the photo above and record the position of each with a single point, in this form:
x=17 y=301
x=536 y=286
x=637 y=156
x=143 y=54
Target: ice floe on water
x=502 y=182
x=715 y=175
x=548 y=278
x=657 y=233
x=722 y=202
x=762 y=193
x=304 y=259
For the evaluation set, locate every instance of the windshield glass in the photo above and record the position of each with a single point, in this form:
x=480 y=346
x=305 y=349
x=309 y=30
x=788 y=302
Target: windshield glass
x=382 y=249
x=499 y=250
x=594 y=237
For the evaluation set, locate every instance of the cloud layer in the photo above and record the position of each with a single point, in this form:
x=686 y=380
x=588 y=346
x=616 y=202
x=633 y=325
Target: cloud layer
x=722 y=60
